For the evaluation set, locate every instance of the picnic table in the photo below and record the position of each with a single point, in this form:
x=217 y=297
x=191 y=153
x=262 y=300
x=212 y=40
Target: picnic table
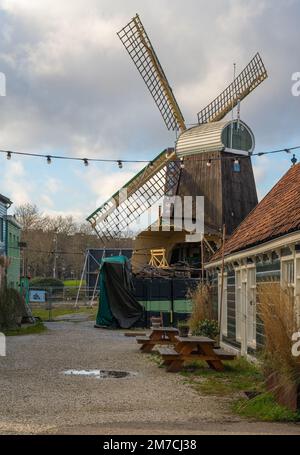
x=158 y=335
x=194 y=348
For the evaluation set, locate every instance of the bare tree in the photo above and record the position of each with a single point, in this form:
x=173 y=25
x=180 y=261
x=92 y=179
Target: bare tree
x=29 y=216
x=57 y=243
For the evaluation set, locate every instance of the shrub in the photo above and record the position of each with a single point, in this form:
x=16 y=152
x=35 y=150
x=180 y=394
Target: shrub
x=12 y=308
x=276 y=309
x=207 y=327
x=47 y=282
x=202 y=306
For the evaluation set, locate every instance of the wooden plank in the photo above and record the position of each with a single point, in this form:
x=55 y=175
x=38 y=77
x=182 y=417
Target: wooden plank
x=167 y=352
x=224 y=355
x=189 y=357
x=195 y=339
x=215 y=362
x=165 y=329
x=142 y=339
x=153 y=342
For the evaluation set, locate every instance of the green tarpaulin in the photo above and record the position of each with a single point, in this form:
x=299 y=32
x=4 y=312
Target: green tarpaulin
x=117 y=305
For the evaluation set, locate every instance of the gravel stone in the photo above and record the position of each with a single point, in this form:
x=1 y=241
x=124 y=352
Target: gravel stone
x=37 y=397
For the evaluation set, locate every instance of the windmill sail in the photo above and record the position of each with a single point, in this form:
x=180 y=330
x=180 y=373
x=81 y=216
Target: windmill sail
x=145 y=189
x=139 y=47
x=251 y=76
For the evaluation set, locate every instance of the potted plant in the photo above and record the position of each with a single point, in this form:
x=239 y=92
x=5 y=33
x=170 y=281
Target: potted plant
x=184 y=328
x=208 y=328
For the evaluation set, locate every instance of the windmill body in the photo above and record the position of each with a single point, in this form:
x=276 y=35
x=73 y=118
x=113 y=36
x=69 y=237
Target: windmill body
x=218 y=167
x=211 y=159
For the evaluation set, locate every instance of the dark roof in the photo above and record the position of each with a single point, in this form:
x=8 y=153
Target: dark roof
x=277 y=214
x=5 y=199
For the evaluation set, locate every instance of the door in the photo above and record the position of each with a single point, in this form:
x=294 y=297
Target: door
x=243 y=316
x=222 y=313
x=246 y=308
x=251 y=307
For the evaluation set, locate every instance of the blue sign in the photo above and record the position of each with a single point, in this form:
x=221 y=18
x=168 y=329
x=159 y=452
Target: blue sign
x=37 y=296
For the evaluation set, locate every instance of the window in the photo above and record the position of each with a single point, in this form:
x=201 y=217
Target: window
x=1 y=230
x=238 y=137
x=288 y=273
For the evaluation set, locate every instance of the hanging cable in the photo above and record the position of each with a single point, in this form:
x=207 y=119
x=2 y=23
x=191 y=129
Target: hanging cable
x=86 y=161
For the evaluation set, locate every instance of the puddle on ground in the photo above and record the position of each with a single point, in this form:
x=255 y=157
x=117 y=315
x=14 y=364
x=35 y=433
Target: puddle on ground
x=101 y=374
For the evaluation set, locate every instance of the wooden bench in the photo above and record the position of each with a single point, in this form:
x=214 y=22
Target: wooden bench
x=168 y=353
x=160 y=336
x=191 y=349
x=134 y=334
x=224 y=355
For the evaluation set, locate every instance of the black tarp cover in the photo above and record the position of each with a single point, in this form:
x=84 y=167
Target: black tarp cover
x=118 y=306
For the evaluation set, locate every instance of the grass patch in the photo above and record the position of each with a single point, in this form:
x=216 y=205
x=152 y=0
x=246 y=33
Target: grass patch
x=264 y=407
x=156 y=358
x=238 y=375
x=44 y=314
x=69 y=283
x=29 y=330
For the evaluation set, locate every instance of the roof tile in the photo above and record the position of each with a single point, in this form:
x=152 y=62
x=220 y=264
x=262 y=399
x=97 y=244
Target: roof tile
x=277 y=214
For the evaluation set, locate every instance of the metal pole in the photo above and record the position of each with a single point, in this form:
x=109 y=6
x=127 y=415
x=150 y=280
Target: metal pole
x=202 y=259
x=55 y=253
x=95 y=288
x=81 y=280
x=231 y=135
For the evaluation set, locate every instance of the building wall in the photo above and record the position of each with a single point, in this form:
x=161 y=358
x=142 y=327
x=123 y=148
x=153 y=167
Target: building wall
x=13 y=252
x=3 y=211
x=239 y=195
x=228 y=195
x=268 y=268
x=265 y=272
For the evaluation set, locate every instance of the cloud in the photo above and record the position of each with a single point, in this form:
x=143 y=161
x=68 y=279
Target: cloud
x=104 y=183
x=15 y=183
x=46 y=200
x=53 y=185
x=72 y=89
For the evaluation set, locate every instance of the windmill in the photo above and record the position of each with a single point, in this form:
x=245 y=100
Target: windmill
x=227 y=185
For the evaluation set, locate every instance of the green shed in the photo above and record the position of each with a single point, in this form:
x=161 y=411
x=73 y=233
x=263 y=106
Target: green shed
x=13 y=234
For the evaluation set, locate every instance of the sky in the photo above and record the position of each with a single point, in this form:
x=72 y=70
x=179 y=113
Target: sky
x=72 y=89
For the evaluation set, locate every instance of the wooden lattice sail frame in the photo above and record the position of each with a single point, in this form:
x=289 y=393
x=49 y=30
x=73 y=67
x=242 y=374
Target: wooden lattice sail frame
x=251 y=76
x=155 y=180
x=140 y=49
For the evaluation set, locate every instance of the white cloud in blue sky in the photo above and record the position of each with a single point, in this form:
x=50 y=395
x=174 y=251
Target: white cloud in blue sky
x=72 y=89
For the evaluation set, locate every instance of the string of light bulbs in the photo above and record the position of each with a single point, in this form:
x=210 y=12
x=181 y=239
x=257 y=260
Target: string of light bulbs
x=120 y=162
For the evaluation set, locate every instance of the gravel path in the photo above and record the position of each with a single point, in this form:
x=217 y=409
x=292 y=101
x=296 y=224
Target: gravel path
x=36 y=396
